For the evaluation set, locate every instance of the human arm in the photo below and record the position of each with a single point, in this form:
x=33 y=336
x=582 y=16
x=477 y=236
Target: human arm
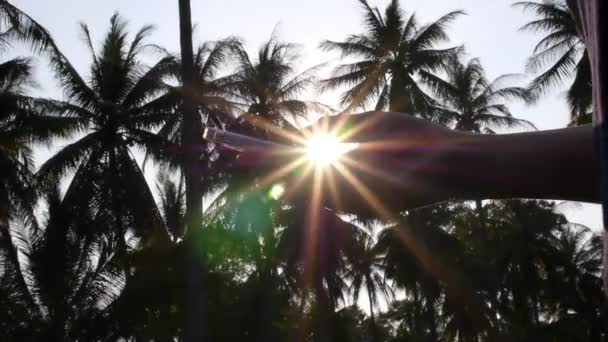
x=552 y=164
x=404 y=162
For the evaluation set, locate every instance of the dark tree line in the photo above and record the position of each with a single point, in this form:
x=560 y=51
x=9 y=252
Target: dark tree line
x=107 y=260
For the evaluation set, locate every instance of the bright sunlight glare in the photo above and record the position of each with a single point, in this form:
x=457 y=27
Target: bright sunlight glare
x=277 y=191
x=326 y=149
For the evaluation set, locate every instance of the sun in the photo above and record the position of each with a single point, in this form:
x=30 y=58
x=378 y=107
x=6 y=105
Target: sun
x=323 y=149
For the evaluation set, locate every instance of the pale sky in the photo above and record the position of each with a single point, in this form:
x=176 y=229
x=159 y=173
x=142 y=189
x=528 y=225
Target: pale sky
x=488 y=31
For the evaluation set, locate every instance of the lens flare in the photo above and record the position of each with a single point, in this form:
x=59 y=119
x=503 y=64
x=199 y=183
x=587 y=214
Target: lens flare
x=326 y=149
x=277 y=191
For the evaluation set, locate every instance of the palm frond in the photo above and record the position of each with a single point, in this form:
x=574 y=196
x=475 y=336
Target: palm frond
x=435 y=32
x=86 y=37
x=71 y=82
x=393 y=24
x=68 y=158
x=442 y=114
x=165 y=104
x=349 y=74
x=62 y=109
x=555 y=39
x=410 y=29
x=15 y=247
x=383 y=98
x=16 y=76
x=137 y=44
x=492 y=96
x=146 y=219
x=25 y=28
x=553 y=16
x=299 y=82
x=579 y=94
x=368 y=86
x=555 y=75
x=115 y=75
x=436 y=59
x=438 y=86
x=373 y=20
x=156 y=147
x=150 y=84
x=172 y=204
x=216 y=56
x=540 y=60
x=33 y=127
x=354 y=45
x=503 y=121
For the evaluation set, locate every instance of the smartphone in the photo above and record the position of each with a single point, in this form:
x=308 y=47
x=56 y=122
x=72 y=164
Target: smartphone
x=238 y=142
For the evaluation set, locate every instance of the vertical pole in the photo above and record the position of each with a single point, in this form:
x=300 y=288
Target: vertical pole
x=195 y=309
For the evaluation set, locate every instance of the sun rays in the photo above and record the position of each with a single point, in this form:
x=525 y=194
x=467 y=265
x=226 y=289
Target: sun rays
x=317 y=157
x=325 y=149
x=315 y=167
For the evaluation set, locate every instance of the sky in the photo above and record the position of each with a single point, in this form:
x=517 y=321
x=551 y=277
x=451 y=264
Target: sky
x=489 y=31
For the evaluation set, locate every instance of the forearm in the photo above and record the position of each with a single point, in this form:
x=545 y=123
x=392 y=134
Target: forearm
x=555 y=164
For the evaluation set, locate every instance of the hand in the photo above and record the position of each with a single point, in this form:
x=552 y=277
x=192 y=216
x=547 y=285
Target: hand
x=396 y=166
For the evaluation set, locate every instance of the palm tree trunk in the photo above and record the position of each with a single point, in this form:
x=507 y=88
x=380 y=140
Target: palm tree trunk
x=372 y=317
x=399 y=97
x=430 y=316
x=324 y=326
x=479 y=207
x=196 y=312
x=58 y=328
x=481 y=213
x=117 y=211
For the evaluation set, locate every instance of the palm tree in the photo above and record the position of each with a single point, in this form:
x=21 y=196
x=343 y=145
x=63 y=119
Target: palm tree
x=148 y=307
x=211 y=100
x=316 y=254
x=54 y=285
x=408 y=318
x=366 y=272
x=393 y=54
x=15 y=152
x=574 y=273
x=208 y=92
x=349 y=322
x=121 y=101
x=23 y=122
x=267 y=88
x=427 y=262
x=559 y=56
x=526 y=231
x=269 y=85
x=195 y=328
x=474 y=103
x=407 y=269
